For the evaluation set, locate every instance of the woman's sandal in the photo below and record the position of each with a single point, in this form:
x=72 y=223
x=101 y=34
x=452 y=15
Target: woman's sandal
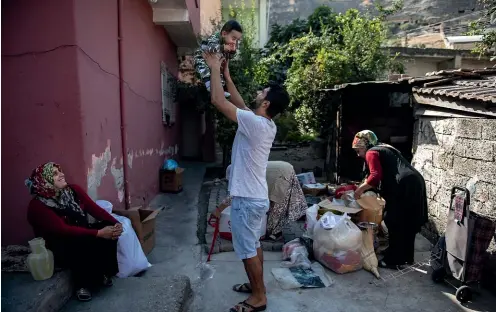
x=246 y=307
x=107 y=281
x=83 y=294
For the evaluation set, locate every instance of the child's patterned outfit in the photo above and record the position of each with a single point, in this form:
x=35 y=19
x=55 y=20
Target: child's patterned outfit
x=214 y=44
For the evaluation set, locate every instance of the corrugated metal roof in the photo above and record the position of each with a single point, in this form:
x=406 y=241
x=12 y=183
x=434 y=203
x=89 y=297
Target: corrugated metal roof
x=463 y=84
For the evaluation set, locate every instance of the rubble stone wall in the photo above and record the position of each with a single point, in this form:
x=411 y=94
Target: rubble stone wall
x=451 y=152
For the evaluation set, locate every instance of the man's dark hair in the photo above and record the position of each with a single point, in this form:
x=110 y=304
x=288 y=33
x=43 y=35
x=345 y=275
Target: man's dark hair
x=232 y=25
x=278 y=98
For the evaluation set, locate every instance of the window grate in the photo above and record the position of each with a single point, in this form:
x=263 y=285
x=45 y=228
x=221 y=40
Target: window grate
x=168 y=86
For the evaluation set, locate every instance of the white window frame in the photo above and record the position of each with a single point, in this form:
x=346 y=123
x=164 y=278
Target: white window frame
x=167 y=83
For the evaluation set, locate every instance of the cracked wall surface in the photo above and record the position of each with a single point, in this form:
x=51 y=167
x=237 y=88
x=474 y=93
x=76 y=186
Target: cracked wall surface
x=100 y=164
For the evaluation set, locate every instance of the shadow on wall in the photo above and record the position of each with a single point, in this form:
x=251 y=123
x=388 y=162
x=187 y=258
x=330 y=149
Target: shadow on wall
x=427 y=134
x=424 y=135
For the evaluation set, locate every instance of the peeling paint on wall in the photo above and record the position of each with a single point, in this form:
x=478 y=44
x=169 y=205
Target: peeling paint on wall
x=169 y=151
x=97 y=171
x=118 y=174
x=100 y=164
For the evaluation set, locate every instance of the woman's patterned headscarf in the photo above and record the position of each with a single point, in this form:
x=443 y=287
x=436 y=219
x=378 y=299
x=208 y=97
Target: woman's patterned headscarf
x=365 y=139
x=41 y=181
x=41 y=186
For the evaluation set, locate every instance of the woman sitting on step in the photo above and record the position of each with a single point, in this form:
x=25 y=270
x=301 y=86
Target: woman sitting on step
x=287 y=202
x=59 y=213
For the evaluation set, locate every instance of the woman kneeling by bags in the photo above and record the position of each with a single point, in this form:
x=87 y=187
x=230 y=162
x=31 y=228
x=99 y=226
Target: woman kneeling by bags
x=403 y=189
x=58 y=213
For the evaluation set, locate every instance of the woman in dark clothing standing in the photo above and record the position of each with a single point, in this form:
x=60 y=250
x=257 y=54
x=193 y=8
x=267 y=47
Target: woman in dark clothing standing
x=59 y=212
x=403 y=189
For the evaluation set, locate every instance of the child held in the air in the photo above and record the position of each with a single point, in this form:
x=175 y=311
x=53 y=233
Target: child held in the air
x=224 y=42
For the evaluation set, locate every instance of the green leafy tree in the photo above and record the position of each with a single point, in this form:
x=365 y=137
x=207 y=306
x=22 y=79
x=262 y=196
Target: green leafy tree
x=325 y=50
x=485 y=26
x=275 y=62
x=348 y=50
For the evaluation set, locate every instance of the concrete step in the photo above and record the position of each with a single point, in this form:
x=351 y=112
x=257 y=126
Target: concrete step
x=144 y=294
x=21 y=293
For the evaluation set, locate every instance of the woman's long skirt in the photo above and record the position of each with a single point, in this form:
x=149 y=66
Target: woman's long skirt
x=88 y=258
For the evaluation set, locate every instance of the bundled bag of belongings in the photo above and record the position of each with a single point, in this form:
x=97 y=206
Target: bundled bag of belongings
x=337 y=243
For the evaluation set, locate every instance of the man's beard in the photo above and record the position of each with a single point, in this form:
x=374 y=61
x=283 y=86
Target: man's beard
x=257 y=103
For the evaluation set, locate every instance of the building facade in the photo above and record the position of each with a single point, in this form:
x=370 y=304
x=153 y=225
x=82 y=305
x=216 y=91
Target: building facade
x=89 y=84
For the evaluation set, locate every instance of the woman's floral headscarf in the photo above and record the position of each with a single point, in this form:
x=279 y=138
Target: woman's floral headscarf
x=41 y=181
x=365 y=139
x=64 y=202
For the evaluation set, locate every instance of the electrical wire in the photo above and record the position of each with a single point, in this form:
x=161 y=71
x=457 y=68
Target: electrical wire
x=65 y=46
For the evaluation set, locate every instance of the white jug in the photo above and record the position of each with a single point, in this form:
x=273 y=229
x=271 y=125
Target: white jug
x=40 y=260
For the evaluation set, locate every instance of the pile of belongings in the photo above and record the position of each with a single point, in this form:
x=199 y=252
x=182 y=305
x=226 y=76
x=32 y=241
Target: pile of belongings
x=342 y=230
x=297 y=271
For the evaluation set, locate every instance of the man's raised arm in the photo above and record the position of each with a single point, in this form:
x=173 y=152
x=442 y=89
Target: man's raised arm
x=236 y=98
x=217 y=92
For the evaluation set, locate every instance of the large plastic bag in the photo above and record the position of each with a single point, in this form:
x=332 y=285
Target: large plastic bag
x=130 y=256
x=313 y=277
x=349 y=199
x=310 y=220
x=337 y=243
x=170 y=164
x=295 y=254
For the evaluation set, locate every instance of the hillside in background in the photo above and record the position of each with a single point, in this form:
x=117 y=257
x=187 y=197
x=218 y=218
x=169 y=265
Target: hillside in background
x=415 y=13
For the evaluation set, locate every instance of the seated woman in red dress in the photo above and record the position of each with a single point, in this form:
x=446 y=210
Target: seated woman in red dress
x=59 y=213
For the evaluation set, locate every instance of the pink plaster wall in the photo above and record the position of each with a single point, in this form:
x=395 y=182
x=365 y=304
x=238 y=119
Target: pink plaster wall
x=96 y=33
x=145 y=45
x=40 y=103
x=61 y=106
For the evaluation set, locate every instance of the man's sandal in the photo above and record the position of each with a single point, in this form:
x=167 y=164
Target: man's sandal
x=246 y=307
x=242 y=288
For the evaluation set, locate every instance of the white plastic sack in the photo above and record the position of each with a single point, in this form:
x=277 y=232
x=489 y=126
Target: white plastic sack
x=296 y=255
x=316 y=278
x=130 y=256
x=337 y=242
x=349 y=199
x=310 y=220
x=105 y=205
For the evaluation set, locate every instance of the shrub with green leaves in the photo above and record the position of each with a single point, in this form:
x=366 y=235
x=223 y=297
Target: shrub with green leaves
x=345 y=48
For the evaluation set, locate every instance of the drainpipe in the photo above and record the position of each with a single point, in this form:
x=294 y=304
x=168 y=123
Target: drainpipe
x=122 y=106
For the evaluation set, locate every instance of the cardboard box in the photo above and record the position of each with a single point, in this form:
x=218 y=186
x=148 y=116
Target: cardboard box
x=143 y=222
x=337 y=206
x=171 y=181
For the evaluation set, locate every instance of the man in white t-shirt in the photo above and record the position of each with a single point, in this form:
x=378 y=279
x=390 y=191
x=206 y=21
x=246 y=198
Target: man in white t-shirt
x=247 y=180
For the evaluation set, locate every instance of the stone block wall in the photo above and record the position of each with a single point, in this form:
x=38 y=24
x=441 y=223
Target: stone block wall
x=451 y=152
